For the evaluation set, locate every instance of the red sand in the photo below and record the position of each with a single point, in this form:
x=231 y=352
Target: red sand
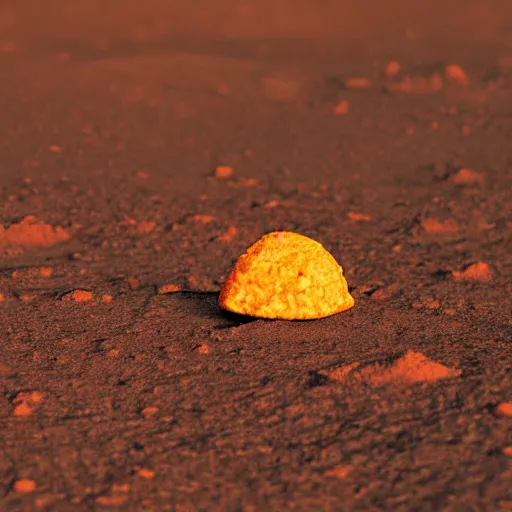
x=114 y=116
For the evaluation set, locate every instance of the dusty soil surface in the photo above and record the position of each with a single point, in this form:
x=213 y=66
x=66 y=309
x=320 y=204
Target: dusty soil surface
x=382 y=132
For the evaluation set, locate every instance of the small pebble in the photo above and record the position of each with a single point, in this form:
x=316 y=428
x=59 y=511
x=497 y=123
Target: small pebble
x=436 y=227
x=504 y=409
x=223 y=171
x=112 y=501
x=341 y=472
x=147 y=412
x=22 y=409
x=204 y=219
x=466 y=177
x=146 y=227
x=455 y=73
x=342 y=108
x=229 y=235
x=79 y=296
x=359 y=216
x=478 y=272
x=142 y=174
x=133 y=283
x=357 y=83
x=392 y=69
x=168 y=288
x=145 y=473
x=24 y=486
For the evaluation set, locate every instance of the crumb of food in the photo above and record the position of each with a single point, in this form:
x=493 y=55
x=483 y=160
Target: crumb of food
x=286 y=275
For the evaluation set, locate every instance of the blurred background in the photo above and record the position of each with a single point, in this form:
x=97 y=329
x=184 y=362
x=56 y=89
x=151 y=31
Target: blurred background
x=155 y=81
x=388 y=22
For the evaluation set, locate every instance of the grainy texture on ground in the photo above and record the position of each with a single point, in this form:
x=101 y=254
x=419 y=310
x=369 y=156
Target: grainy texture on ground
x=123 y=386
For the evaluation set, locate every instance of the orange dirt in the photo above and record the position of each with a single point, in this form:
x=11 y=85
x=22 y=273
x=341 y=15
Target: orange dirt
x=359 y=216
x=79 y=296
x=24 y=486
x=145 y=473
x=467 y=177
x=410 y=368
x=223 y=171
x=31 y=233
x=479 y=272
x=342 y=107
x=229 y=235
x=504 y=409
x=436 y=227
x=341 y=472
x=168 y=288
x=455 y=73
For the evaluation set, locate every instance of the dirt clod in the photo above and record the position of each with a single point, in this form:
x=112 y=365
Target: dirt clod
x=356 y=216
x=31 y=233
x=24 y=486
x=357 y=83
x=22 y=409
x=467 y=177
x=223 y=172
x=455 y=73
x=478 y=272
x=148 y=412
x=342 y=108
x=436 y=227
x=146 y=474
x=341 y=472
x=169 y=288
x=392 y=68
x=411 y=368
x=504 y=409
x=229 y=235
x=78 y=296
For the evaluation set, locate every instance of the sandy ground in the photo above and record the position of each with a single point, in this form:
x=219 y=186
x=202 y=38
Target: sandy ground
x=382 y=131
